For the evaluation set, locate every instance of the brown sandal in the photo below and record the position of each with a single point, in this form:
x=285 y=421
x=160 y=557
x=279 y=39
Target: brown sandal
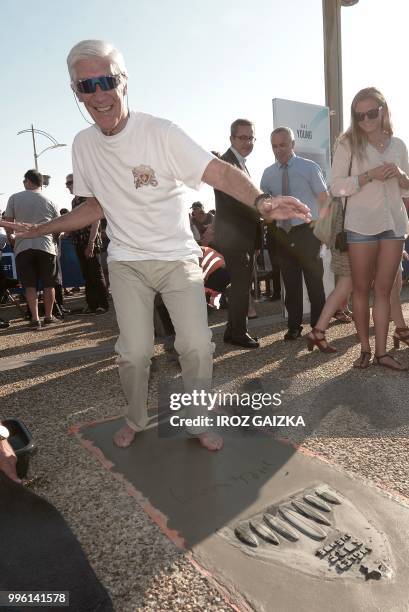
x=321 y=343
x=401 y=334
x=341 y=317
x=377 y=361
x=363 y=361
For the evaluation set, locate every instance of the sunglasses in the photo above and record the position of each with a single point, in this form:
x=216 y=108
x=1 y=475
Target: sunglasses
x=68 y=183
x=371 y=114
x=106 y=83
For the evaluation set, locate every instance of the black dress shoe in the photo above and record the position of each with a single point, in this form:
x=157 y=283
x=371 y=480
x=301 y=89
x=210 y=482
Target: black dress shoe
x=228 y=336
x=245 y=341
x=4 y=324
x=293 y=334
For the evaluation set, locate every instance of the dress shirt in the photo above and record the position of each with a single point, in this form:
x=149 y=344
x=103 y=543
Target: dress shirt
x=377 y=206
x=240 y=159
x=305 y=179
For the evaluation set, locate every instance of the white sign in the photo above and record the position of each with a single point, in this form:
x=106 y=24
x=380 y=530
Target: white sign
x=310 y=124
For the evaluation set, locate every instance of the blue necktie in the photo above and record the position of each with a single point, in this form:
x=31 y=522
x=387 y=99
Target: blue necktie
x=286 y=224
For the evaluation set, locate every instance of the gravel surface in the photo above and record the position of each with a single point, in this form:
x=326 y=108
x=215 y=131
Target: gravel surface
x=140 y=567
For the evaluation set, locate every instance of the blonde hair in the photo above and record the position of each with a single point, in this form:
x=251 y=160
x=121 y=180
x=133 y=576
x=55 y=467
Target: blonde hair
x=354 y=135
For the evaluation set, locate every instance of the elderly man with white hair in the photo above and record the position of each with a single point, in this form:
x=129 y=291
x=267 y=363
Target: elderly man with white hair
x=132 y=168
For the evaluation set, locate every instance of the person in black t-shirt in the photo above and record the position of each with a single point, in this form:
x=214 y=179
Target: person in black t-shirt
x=87 y=242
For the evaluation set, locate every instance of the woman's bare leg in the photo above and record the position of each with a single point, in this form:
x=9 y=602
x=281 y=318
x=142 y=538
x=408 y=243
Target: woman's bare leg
x=336 y=300
x=363 y=258
x=396 y=306
x=387 y=263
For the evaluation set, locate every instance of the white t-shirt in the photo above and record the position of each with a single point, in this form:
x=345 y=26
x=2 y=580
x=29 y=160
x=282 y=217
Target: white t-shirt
x=138 y=177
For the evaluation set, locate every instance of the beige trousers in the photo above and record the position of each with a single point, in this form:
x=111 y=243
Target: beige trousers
x=134 y=285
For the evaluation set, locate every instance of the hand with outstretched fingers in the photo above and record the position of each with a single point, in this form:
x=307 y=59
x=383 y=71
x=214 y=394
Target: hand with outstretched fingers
x=283 y=207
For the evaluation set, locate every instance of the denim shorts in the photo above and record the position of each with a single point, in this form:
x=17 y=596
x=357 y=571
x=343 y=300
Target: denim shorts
x=354 y=237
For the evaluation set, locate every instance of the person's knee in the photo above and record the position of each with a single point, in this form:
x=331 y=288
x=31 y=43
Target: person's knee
x=382 y=291
x=197 y=345
x=361 y=288
x=137 y=357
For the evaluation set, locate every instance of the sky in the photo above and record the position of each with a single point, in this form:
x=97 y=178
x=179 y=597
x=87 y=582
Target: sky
x=200 y=63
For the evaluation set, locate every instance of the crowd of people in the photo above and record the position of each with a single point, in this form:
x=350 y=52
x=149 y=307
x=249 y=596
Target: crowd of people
x=38 y=260
x=129 y=171
x=370 y=175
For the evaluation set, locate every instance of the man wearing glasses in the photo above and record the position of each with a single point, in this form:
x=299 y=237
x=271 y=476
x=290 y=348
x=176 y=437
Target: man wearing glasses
x=131 y=168
x=237 y=235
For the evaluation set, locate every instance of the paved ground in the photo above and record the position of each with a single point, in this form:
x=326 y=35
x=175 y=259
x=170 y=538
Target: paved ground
x=66 y=375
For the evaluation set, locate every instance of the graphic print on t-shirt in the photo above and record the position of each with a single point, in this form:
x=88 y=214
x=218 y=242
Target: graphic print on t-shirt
x=144 y=175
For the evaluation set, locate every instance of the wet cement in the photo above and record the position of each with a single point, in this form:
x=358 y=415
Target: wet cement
x=198 y=498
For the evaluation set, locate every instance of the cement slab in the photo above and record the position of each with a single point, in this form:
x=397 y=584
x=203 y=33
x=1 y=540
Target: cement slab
x=199 y=498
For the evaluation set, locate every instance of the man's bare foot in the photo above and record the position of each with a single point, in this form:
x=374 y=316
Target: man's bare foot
x=211 y=441
x=124 y=436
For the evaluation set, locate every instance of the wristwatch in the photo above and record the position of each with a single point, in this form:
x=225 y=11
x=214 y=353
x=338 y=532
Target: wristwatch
x=4 y=433
x=259 y=198
x=368 y=178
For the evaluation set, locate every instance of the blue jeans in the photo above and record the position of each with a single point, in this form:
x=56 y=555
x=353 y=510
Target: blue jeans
x=355 y=238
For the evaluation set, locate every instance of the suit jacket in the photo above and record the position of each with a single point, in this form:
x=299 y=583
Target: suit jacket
x=237 y=227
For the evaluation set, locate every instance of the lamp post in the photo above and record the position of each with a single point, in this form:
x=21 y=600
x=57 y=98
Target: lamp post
x=331 y=14
x=33 y=131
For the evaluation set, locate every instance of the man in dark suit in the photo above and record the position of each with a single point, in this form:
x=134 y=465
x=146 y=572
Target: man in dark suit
x=237 y=235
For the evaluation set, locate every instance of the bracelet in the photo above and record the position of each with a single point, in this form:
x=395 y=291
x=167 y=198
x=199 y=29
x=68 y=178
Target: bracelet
x=260 y=197
x=368 y=178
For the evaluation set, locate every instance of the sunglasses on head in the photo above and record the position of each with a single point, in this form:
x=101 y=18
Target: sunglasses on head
x=106 y=83
x=371 y=114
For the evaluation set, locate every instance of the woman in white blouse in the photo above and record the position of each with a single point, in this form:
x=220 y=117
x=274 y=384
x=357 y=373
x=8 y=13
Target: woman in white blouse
x=376 y=221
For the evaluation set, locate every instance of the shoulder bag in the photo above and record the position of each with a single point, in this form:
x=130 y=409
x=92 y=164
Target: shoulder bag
x=324 y=225
x=341 y=243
